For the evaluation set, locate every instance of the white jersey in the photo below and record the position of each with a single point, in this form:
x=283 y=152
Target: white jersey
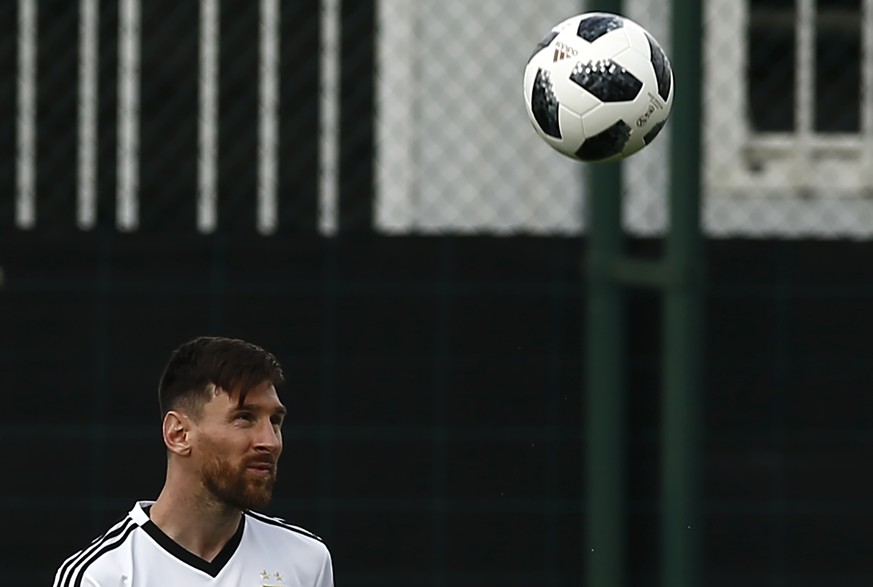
x=264 y=552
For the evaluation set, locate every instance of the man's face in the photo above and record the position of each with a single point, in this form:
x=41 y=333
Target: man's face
x=237 y=447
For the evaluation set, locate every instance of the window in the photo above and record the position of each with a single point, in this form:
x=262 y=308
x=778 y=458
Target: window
x=788 y=97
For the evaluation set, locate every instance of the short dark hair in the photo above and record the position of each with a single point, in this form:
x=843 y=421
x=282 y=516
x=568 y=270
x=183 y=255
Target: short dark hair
x=235 y=366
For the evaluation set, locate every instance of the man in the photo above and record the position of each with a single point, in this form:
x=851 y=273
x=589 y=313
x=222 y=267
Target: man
x=222 y=426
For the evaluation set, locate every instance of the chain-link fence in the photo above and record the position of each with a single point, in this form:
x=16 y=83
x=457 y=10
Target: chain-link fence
x=408 y=118
x=470 y=161
x=788 y=118
x=786 y=131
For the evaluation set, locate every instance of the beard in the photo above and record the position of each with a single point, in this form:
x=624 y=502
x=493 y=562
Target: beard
x=237 y=486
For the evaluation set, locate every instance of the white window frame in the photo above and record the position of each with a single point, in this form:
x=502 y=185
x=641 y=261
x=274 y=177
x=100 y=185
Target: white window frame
x=739 y=162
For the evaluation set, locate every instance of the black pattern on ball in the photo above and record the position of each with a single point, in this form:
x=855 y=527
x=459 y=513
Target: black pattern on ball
x=595 y=26
x=653 y=132
x=607 y=80
x=605 y=144
x=544 y=105
x=547 y=40
x=663 y=71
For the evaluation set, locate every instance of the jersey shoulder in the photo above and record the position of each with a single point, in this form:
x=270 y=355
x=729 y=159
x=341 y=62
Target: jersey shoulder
x=287 y=544
x=99 y=558
x=280 y=529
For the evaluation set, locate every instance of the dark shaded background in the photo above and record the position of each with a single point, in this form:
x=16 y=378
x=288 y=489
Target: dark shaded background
x=436 y=402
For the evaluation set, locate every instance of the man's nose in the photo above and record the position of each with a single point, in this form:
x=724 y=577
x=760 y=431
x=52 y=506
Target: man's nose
x=269 y=437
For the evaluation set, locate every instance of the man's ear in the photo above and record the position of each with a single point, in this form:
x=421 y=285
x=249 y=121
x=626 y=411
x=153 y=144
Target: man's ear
x=177 y=433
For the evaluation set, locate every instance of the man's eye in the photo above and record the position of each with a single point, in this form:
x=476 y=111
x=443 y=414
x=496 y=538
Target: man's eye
x=245 y=416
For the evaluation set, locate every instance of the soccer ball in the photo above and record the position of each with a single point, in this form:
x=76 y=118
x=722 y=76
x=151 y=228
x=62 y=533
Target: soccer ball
x=598 y=87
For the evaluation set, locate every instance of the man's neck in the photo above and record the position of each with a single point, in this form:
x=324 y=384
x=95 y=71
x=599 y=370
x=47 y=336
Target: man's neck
x=198 y=524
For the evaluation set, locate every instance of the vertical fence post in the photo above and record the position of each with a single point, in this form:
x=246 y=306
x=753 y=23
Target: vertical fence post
x=606 y=463
x=679 y=277
x=605 y=405
x=682 y=451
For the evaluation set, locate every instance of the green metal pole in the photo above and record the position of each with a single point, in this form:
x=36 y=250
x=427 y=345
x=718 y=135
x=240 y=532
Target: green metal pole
x=682 y=418
x=606 y=494
x=605 y=406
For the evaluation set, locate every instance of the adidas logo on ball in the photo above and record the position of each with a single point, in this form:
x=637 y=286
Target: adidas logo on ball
x=562 y=52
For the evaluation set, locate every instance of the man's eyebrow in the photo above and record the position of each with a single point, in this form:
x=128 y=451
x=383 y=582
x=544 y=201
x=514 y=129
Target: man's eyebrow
x=280 y=410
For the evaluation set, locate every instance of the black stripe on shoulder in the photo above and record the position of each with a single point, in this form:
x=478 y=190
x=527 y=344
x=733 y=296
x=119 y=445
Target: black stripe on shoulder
x=76 y=558
x=280 y=523
x=76 y=574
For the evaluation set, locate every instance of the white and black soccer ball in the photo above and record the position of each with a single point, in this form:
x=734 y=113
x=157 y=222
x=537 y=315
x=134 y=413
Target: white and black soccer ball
x=598 y=87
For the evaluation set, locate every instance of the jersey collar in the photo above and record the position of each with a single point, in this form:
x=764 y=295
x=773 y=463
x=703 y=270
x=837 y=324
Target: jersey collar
x=211 y=568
